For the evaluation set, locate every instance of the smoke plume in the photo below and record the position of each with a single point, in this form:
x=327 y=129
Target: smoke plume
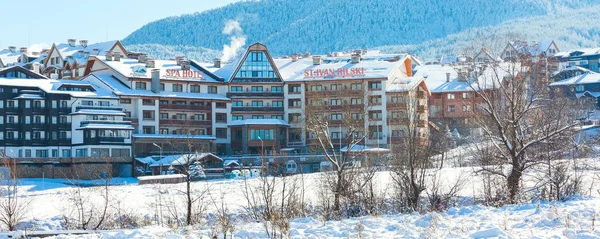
x=238 y=40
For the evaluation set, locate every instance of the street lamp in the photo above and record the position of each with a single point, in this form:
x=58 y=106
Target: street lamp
x=262 y=143
x=160 y=155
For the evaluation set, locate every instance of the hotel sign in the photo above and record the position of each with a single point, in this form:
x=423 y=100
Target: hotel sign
x=183 y=74
x=330 y=73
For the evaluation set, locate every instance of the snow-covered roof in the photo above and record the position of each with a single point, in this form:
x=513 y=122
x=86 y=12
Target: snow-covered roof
x=375 y=66
x=534 y=49
x=365 y=149
x=173 y=136
x=118 y=88
x=29 y=96
x=586 y=78
x=437 y=80
x=8 y=57
x=98 y=112
x=156 y=177
x=146 y=160
x=52 y=86
x=229 y=162
x=106 y=126
x=258 y=122
x=583 y=51
x=67 y=50
x=133 y=68
x=182 y=159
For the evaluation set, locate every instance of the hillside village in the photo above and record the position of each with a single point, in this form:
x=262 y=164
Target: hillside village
x=82 y=111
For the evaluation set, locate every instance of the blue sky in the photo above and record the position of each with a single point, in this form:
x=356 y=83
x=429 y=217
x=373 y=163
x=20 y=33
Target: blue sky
x=39 y=23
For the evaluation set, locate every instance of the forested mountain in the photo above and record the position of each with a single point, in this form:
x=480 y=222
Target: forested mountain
x=321 y=26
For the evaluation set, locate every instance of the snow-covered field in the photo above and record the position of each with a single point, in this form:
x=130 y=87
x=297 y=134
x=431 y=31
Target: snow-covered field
x=575 y=218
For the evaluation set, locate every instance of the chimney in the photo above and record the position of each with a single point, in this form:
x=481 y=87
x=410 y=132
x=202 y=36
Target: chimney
x=317 y=60
x=355 y=58
x=448 y=77
x=150 y=63
x=117 y=57
x=71 y=42
x=12 y=48
x=178 y=59
x=96 y=51
x=185 y=65
x=155 y=84
x=83 y=43
x=23 y=50
x=142 y=58
x=217 y=62
x=108 y=56
x=294 y=57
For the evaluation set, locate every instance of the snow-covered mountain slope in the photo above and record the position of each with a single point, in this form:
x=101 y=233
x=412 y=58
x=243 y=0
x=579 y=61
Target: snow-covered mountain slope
x=321 y=26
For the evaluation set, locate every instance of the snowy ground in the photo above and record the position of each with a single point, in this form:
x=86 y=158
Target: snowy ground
x=572 y=219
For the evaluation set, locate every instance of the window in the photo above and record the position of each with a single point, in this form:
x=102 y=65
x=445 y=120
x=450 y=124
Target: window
x=466 y=108
x=147 y=102
x=451 y=108
x=197 y=103
x=163 y=102
x=257 y=89
x=356 y=101
x=195 y=88
x=148 y=114
x=87 y=102
x=140 y=85
x=277 y=103
x=220 y=105
x=237 y=104
x=27 y=120
x=279 y=117
x=180 y=116
x=295 y=117
x=221 y=118
x=125 y=101
x=294 y=103
x=162 y=86
x=212 y=89
x=63 y=119
x=237 y=89
x=163 y=131
x=28 y=153
x=258 y=117
x=179 y=102
x=579 y=88
x=64 y=104
x=37 y=119
x=81 y=153
x=375 y=132
x=336 y=135
x=221 y=133
x=294 y=88
x=37 y=135
x=120 y=153
x=335 y=102
x=374 y=85
x=41 y=153
x=397 y=133
x=336 y=116
x=148 y=129
x=375 y=115
x=177 y=88
x=103 y=103
x=316 y=88
x=465 y=95
x=336 y=87
x=10 y=135
x=237 y=117
x=356 y=86
x=398 y=114
x=356 y=116
x=276 y=89
x=164 y=115
x=66 y=153
x=37 y=104
x=10 y=104
x=198 y=117
x=375 y=100
x=103 y=152
x=257 y=103
x=261 y=134
x=450 y=96
x=63 y=135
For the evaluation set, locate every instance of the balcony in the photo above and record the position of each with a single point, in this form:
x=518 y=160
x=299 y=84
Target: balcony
x=39 y=110
x=85 y=122
x=64 y=125
x=133 y=120
x=342 y=92
x=396 y=121
x=64 y=110
x=12 y=125
x=105 y=139
x=91 y=107
x=13 y=109
x=257 y=109
x=39 y=141
x=185 y=107
x=254 y=94
x=38 y=125
x=184 y=122
x=396 y=105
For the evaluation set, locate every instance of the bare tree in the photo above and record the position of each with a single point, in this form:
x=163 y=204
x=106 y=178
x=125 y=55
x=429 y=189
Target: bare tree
x=322 y=117
x=513 y=115
x=13 y=206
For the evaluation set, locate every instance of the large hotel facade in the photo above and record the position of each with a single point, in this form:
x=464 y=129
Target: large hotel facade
x=119 y=105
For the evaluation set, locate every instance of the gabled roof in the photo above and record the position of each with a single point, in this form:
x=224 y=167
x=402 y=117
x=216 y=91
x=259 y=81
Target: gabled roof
x=586 y=78
x=183 y=159
x=21 y=69
x=437 y=80
x=54 y=87
x=64 y=50
x=256 y=47
x=8 y=57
